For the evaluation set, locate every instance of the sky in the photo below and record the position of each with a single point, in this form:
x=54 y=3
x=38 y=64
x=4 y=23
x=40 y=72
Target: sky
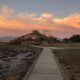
x=60 y=18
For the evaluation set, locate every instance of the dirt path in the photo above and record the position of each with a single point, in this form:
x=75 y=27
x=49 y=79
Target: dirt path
x=45 y=68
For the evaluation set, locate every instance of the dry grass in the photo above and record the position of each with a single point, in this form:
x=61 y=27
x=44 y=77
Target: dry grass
x=70 y=62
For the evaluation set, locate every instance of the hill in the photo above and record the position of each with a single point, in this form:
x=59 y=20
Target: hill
x=35 y=38
x=6 y=39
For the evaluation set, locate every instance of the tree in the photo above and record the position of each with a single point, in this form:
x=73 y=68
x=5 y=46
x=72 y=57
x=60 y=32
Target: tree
x=65 y=40
x=75 y=38
x=16 y=42
x=53 y=39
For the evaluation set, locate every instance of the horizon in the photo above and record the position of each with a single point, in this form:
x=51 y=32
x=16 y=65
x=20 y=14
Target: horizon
x=51 y=17
x=40 y=33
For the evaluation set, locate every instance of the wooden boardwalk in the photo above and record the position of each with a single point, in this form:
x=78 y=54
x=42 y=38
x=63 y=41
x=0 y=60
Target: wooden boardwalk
x=45 y=68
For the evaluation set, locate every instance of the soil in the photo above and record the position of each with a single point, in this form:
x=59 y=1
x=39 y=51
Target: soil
x=69 y=59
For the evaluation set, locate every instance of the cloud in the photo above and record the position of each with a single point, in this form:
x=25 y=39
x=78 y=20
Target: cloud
x=46 y=22
x=25 y=16
x=5 y=11
x=72 y=21
x=46 y=15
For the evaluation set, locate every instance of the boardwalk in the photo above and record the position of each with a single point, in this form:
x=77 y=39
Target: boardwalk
x=45 y=68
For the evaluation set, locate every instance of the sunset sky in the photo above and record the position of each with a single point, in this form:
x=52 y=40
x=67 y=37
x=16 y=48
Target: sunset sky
x=60 y=18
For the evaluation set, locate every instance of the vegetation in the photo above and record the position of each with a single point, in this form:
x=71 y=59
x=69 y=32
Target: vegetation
x=65 y=40
x=75 y=38
x=36 y=38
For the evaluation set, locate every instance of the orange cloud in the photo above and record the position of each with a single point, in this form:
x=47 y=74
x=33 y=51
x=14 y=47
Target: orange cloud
x=12 y=23
x=21 y=25
x=45 y=21
x=71 y=21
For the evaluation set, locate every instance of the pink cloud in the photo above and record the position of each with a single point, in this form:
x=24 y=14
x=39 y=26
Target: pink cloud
x=46 y=21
